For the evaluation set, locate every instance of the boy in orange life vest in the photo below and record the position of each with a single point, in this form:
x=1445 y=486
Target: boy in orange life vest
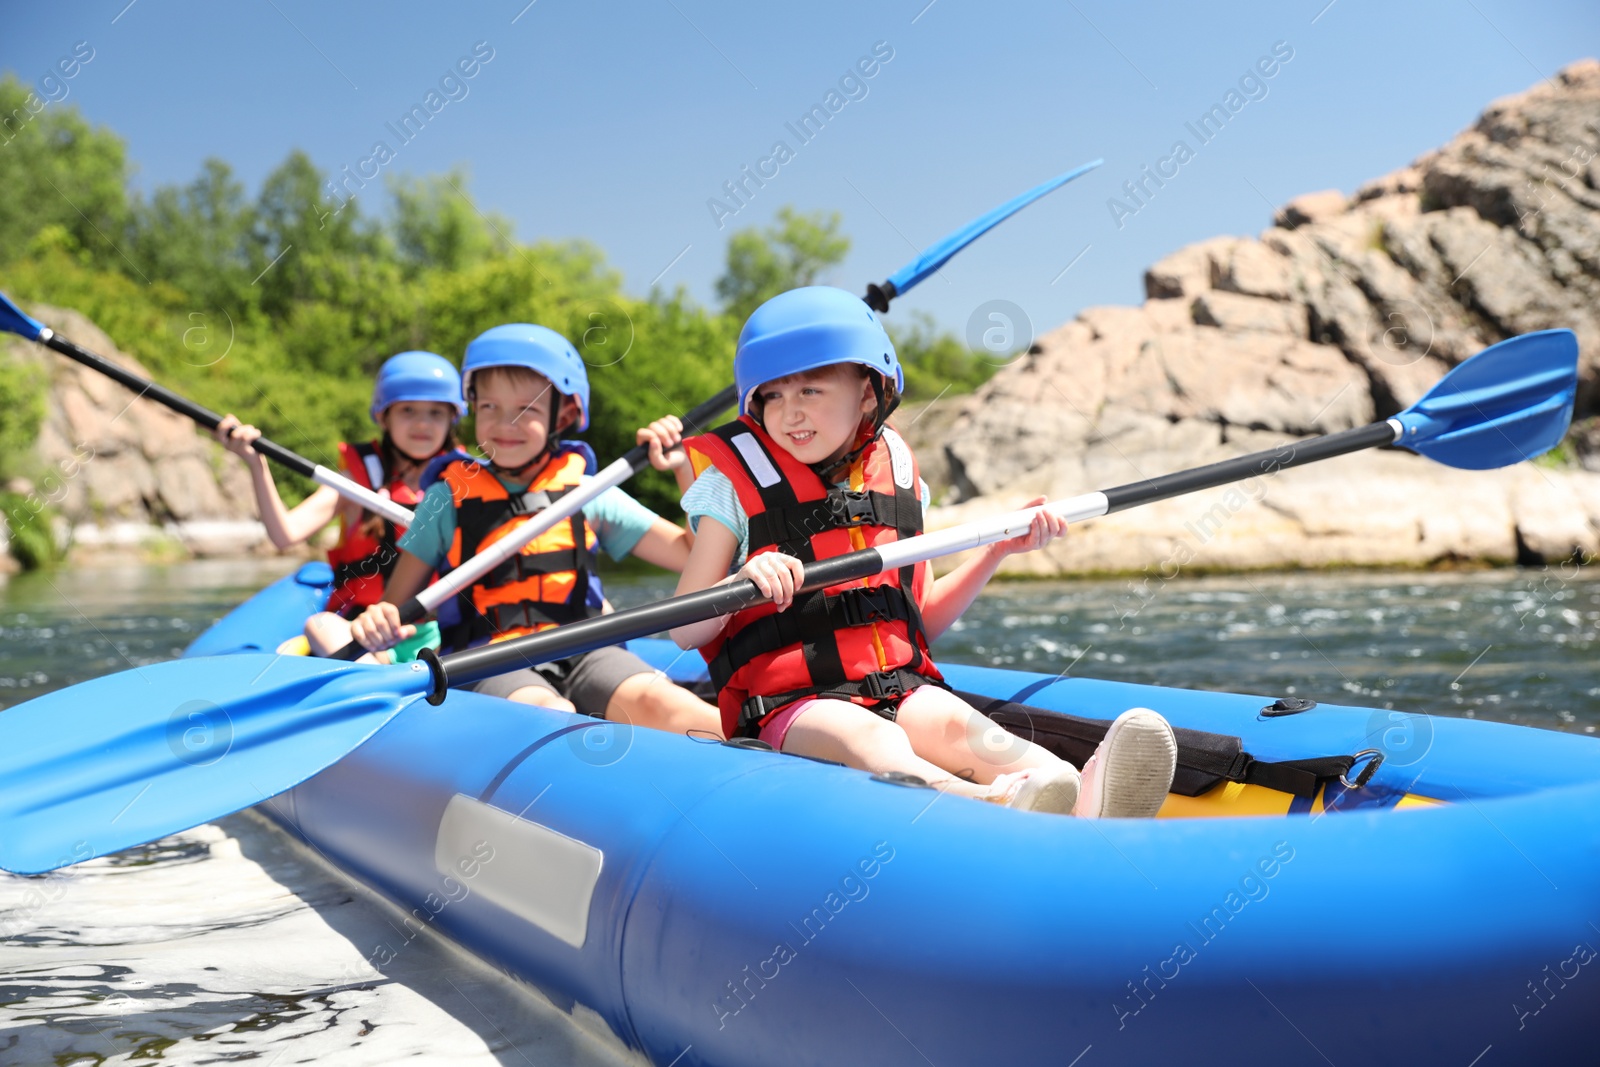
x=416 y=402
x=811 y=471
x=526 y=384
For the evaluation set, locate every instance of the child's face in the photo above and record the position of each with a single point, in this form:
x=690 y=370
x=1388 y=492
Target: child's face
x=418 y=427
x=513 y=415
x=815 y=416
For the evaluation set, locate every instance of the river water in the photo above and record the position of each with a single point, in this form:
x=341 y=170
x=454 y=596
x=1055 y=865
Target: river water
x=1512 y=645
x=230 y=942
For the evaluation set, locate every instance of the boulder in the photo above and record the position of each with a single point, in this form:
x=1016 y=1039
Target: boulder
x=1242 y=314
x=108 y=460
x=1346 y=310
x=1310 y=207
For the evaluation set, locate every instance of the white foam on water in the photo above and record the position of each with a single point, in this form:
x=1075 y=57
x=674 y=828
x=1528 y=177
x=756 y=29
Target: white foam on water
x=231 y=941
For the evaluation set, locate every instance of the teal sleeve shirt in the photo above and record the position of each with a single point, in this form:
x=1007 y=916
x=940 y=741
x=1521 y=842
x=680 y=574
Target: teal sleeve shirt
x=618 y=522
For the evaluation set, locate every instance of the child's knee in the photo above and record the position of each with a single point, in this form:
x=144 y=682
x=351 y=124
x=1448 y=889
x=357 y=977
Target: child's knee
x=325 y=632
x=544 y=698
x=877 y=735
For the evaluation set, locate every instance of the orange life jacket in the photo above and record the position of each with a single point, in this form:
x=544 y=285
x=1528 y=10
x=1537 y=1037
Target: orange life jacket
x=550 y=581
x=860 y=641
x=361 y=562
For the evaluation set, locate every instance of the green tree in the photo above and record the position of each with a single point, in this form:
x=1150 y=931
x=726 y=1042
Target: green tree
x=306 y=243
x=648 y=359
x=437 y=226
x=56 y=169
x=936 y=361
x=764 y=263
x=199 y=238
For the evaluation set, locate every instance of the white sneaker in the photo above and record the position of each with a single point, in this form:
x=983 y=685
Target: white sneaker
x=1129 y=774
x=1052 y=791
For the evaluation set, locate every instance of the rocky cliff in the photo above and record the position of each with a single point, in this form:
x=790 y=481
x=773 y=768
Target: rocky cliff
x=122 y=472
x=1345 y=310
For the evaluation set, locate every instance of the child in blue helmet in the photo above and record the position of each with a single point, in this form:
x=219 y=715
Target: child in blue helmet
x=526 y=385
x=810 y=471
x=416 y=402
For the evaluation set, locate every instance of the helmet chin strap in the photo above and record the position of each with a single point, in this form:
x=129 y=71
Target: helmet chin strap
x=516 y=474
x=830 y=471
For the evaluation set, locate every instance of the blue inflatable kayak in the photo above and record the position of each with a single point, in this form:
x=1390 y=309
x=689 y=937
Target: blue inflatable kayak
x=714 y=904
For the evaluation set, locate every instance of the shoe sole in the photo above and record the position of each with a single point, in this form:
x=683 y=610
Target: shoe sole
x=1058 y=796
x=1136 y=771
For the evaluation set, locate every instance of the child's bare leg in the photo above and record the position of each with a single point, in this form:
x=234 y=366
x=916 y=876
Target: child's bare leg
x=947 y=731
x=541 y=696
x=852 y=735
x=326 y=633
x=524 y=686
x=656 y=701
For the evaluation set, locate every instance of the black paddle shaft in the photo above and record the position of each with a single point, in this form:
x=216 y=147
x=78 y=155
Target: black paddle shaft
x=473 y=665
x=699 y=420
x=573 y=639
x=1291 y=454
x=204 y=416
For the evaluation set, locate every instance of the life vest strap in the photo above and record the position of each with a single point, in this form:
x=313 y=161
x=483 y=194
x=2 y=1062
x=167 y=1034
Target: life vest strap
x=528 y=614
x=534 y=502
x=534 y=564
x=840 y=508
x=813 y=619
x=883 y=689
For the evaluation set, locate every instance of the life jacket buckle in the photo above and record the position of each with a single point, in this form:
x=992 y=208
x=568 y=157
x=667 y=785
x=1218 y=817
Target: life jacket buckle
x=864 y=606
x=884 y=685
x=529 y=503
x=851 y=508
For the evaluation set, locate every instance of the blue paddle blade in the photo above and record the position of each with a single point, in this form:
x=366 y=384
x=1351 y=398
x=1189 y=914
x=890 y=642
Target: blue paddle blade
x=135 y=756
x=936 y=256
x=14 y=320
x=1508 y=403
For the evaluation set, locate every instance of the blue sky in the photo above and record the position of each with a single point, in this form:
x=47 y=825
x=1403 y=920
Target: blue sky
x=620 y=122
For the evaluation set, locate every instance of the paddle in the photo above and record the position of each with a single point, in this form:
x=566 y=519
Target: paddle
x=14 y=320
x=878 y=298
x=134 y=756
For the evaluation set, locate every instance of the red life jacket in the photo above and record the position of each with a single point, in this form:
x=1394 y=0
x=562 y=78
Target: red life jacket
x=860 y=641
x=550 y=581
x=362 y=563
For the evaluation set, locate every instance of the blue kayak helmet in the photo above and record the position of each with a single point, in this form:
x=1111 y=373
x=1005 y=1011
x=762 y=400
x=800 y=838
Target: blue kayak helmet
x=536 y=348
x=805 y=329
x=421 y=376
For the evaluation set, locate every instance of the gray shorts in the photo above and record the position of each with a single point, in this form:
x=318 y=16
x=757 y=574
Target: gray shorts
x=588 y=681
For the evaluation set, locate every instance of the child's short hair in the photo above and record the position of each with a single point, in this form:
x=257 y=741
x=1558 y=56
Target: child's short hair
x=889 y=391
x=516 y=376
x=512 y=375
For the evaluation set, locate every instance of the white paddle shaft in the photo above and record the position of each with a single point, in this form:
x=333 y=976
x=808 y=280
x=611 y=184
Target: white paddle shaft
x=981 y=532
x=487 y=560
x=376 y=503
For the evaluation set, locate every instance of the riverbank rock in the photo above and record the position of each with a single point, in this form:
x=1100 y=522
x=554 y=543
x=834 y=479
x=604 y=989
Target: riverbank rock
x=1344 y=311
x=123 y=473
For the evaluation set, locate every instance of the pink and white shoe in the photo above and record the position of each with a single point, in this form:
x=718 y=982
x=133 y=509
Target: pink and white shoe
x=1054 y=792
x=1129 y=774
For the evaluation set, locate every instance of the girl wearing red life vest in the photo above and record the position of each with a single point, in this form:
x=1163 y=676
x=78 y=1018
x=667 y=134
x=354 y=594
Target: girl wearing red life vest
x=416 y=402
x=811 y=471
